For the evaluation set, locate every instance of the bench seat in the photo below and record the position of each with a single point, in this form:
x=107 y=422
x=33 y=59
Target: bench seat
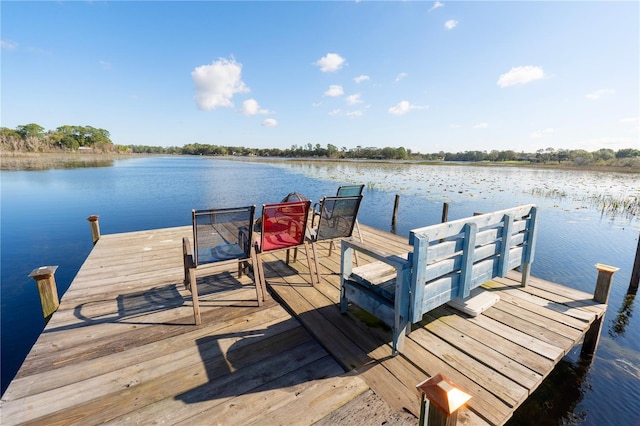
x=448 y=261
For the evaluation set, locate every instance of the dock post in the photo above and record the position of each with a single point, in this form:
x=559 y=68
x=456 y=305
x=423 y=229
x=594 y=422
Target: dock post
x=445 y=212
x=635 y=272
x=394 y=218
x=600 y=295
x=95 y=228
x=46 y=281
x=445 y=216
x=443 y=399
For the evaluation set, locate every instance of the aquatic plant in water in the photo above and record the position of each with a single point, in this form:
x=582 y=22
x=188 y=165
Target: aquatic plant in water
x=616 y=205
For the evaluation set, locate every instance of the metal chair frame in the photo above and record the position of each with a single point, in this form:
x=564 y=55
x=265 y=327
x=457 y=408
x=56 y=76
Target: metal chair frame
x=283 y=227
x=220 y=236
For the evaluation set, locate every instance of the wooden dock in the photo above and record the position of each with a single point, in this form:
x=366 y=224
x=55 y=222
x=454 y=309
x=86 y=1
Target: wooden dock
x=122 y=347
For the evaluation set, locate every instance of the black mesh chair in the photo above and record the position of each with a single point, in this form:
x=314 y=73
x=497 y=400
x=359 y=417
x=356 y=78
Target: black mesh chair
x=336 y=220
x=220 y=235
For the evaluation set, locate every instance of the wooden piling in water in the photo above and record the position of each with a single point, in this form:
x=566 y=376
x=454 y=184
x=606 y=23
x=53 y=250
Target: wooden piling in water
x=600 y=295
x=47 y=289
x=394 y=218
x=445 y=215
x=445 y=212
x=95 y=228
x=635 y=273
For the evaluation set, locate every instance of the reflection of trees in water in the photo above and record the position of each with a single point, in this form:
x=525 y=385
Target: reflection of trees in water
x=48 y=162
x=621 y=321
x=555 y=400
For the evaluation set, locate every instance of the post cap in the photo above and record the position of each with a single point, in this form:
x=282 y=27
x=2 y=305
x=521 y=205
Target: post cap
x=43 y=271
x=443 y=393
x=93 y=218
x=606 y=268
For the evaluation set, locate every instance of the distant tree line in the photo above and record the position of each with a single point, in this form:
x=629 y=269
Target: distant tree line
x=33 y=138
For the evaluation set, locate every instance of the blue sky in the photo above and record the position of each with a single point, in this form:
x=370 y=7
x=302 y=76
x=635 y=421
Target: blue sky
x=428 y=76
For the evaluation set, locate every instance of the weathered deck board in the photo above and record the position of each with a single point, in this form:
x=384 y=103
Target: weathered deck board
x=499 y=357
x=123 y=348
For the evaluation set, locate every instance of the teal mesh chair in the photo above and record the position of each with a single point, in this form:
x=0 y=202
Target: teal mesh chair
x=220 y=236
x=350 y=190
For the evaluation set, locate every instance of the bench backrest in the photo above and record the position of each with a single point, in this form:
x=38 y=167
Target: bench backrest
x=452 y=258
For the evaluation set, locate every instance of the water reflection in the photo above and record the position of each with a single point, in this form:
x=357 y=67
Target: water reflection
x=557 y=398
x=158 y=192
x=621 y=321
x=37 y=163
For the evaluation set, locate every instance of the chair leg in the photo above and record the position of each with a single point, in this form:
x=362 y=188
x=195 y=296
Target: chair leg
x=194 y=296
x=359 y=236
x=187 y=261
x=309 y=262
x=317 y=264
x=259 y=274
x=261 y=293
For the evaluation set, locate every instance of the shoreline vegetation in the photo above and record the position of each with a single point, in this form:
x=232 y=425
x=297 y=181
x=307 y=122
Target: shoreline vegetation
x=22 y=161
x=30 y=147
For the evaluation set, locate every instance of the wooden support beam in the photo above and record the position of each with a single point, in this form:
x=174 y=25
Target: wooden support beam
x=603 y=284
x=600 y=295
x=47 y=289
x=95 y=228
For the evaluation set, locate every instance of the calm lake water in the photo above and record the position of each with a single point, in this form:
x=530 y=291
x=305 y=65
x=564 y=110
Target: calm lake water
x=43 y=222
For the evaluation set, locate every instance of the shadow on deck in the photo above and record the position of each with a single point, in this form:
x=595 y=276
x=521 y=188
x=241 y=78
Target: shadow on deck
x=123 y=348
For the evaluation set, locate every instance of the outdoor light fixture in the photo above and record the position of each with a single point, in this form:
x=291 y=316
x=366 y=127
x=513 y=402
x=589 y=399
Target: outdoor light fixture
x=444 y=401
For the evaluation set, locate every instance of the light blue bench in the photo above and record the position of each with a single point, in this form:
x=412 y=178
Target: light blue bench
x=447 y=262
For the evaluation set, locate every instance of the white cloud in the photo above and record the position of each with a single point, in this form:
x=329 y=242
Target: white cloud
x=251 y=107
x=520 y=75
x=8 y=45
x=539 y=134
x=354 y=114
x=594 y=96
x=403 y=107
x=216 y=84
x=332 y=62
x=436 y=5
x=401 y=76
x=481 y=126
x=451 y=24
x=335 y=112
x=334 y=90
x=269 y=122
x=105 y=65
x=630 y=120
x=359 y=79
x=354 y=99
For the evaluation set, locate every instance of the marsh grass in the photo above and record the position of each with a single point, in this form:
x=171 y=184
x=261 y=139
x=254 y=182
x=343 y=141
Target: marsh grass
x=608 y=205
x=613 y=206
x=12 y=161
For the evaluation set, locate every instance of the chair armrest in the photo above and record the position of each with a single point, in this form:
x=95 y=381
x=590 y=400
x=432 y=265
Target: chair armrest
x=391 y=259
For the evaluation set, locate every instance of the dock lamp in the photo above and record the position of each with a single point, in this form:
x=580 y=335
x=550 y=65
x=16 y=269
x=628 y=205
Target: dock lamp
x=444 y=400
